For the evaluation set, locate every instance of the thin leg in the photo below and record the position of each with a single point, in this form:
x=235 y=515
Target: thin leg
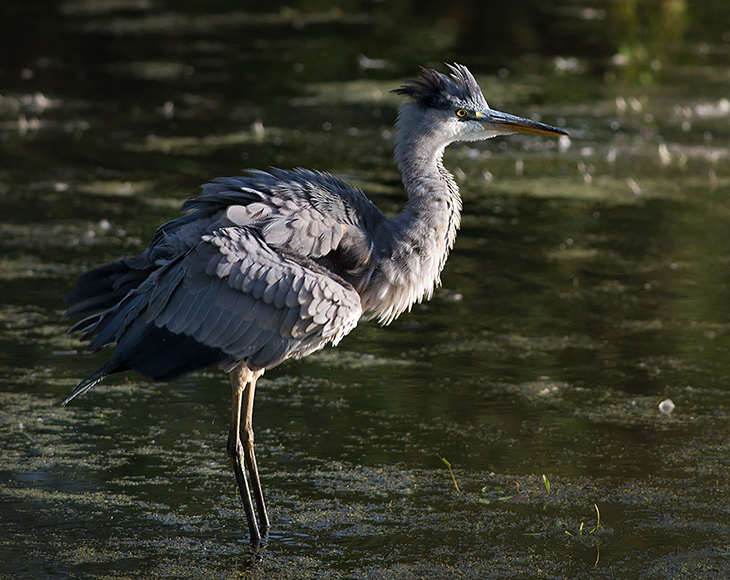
x=249 y=455
x=240 y=450
x=236 y=455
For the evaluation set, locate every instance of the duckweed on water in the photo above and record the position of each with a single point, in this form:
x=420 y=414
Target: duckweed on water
x=587 y=286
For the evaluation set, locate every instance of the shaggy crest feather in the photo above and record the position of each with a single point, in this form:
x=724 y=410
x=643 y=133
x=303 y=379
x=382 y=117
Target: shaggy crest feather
x=435 y=90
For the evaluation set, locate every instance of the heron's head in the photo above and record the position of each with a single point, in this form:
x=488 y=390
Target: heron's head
x=454 y=108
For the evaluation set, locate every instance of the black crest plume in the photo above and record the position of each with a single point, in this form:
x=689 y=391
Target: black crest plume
x=439 y=91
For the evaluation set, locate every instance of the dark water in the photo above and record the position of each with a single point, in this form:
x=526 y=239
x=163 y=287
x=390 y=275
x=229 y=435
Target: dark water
x=589 y=283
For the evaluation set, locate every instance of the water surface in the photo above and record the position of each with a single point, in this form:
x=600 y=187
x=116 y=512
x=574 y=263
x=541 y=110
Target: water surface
x=589 y=283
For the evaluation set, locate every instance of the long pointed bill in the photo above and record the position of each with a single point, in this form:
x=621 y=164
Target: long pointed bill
x=506 y=123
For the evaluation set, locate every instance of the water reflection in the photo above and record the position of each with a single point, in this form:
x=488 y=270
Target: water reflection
x=650 y=34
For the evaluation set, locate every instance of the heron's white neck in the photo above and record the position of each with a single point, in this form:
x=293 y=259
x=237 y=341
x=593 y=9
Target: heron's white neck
x=433 y=211
x=422 y=235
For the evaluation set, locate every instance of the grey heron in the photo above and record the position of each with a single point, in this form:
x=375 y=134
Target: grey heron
x=273 y=265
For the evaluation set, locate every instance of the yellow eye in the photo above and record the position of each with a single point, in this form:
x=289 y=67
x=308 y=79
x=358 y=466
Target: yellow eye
x=462 y=113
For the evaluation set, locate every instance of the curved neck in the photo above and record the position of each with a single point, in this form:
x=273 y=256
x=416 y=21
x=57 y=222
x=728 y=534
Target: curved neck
x=414 y=244
x=433 y=211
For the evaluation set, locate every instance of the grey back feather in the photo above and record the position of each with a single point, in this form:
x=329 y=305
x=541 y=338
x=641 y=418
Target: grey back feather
x=257 y=268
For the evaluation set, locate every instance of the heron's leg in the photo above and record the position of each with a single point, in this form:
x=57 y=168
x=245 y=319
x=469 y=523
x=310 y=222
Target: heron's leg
x=241 y=452
x=237 y=453
x=249 y=455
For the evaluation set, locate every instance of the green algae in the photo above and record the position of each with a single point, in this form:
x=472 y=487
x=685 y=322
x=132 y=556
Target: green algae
x=588 y=284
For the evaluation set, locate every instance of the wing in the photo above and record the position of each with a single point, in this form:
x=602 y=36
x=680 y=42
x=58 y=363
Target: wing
x=235 y=293
x=306 y=213
x=260 y=269
x=231 y=299
x=310 y=214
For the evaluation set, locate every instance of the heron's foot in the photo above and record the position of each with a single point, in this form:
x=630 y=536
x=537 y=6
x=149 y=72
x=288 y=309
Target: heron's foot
x=258 y=538
x=252 y=558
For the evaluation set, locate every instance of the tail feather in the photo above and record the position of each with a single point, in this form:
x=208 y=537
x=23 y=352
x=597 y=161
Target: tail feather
x=86 y=324
x=155 y=353
x=103 y=287
x=89 y=382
